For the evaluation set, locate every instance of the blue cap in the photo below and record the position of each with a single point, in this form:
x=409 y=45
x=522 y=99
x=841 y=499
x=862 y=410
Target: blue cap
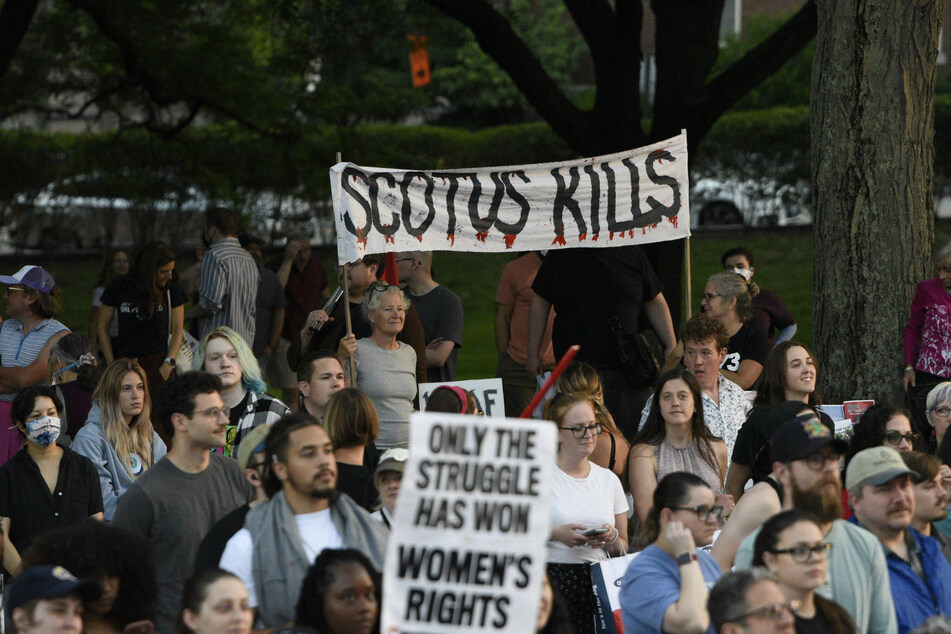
x=49 y=582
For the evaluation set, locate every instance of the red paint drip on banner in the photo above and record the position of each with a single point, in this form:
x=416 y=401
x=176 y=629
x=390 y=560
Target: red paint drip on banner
x=452 y=238
x=594 y=238
x=673 y=220
x=582 y=236
x=510 y=240
x=559 y=240
x=482 y=235
x=388 y=240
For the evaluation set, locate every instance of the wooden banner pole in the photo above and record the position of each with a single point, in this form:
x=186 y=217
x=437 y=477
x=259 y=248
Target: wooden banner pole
x=346 y=308
x=687 y=268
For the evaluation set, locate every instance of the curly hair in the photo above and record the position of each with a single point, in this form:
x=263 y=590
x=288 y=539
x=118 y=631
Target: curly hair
x=95 y=550
x=870 y=430
x=700 y=329
x=310 y=603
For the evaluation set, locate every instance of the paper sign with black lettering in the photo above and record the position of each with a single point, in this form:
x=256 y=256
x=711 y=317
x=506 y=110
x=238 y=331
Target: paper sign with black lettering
x=467 y=551
x=632 y=197
x=488 y=394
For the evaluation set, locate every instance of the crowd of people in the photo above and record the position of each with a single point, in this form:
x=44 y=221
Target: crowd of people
x=224 y=451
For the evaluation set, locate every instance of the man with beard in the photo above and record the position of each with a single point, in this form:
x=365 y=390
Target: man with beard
x=931 y=499
x=806 y=467
x=305 y=515
x=762 y=500
x=881 y=495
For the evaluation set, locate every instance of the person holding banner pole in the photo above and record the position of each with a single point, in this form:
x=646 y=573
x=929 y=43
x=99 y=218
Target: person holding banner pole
x=386 y=367
x=589 y=509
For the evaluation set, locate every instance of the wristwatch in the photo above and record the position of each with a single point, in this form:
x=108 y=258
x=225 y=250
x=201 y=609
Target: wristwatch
x=686 y=558
x=170 y=361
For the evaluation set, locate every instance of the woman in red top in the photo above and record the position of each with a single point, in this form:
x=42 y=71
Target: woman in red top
x=928 y=339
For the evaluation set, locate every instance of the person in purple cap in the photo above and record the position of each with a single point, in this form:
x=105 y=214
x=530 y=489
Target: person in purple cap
x=49 y=600
x=26 y=336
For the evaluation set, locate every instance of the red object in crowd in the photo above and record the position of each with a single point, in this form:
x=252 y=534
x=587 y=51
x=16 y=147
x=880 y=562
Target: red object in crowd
x=390 y=276
x=565 y=360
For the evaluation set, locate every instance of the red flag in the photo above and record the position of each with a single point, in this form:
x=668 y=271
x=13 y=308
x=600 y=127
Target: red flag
x=419 y=60
x=389 y=271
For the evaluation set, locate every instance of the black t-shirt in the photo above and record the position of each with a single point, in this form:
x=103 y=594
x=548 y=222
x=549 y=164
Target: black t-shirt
x=815 y=625
x=138 y=336
x=587 y=287
x=749 y=342
x=752 y=442
x=32 y=509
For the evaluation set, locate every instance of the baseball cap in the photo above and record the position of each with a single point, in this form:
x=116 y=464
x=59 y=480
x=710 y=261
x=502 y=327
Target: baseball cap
x=393 y=459
x=801 y=437
x=252 y=443
x=49 y=582
x=875 y=466
x=34 y=277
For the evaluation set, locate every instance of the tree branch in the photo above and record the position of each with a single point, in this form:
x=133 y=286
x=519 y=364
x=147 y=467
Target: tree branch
x=497 y=39
x=727 y=88
x=15 y=18
x=593 y=18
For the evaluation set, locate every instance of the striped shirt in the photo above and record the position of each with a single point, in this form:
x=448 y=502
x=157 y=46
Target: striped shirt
x=18 y=351
x=228 y=287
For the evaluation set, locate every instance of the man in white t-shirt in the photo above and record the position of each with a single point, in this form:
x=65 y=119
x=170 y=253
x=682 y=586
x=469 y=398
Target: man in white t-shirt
x=304 y=516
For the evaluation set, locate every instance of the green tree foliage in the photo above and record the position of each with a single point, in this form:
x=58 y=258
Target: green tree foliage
x=788 y=86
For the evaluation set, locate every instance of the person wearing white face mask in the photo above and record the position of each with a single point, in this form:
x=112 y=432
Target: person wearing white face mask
x=44 y=485
x=770 y=313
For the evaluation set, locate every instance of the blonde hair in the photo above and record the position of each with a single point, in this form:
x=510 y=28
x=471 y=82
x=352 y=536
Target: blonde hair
x=582 y=379
x=251 y=379
x=136 y=437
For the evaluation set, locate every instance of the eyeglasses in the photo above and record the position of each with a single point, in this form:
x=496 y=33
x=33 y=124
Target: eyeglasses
x=704 y=512
x=13 y=289
x=709 y=296
x=818 y=460
x=771 y=612
x=894 y=437
x=941 y=411
x=801 y=553
x=581 y=432
x=213 y=412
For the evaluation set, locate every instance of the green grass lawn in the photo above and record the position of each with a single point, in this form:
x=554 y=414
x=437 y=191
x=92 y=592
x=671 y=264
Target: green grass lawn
x=783 y=263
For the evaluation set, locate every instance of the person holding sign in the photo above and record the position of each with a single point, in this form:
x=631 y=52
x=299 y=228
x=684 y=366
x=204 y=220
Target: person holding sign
x=728 y=298
x=589 y=509
x=665 y=587
x=386 y=367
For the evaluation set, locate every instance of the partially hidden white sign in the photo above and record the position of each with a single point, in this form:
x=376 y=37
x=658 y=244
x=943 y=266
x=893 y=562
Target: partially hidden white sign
x=467 y=551
x=488 y=394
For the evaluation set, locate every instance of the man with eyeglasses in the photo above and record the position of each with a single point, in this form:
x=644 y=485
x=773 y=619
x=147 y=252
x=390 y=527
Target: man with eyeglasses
x=806 y=477
x=881 y=495
x=175 y=503
x=252 y=458
x=750 y=602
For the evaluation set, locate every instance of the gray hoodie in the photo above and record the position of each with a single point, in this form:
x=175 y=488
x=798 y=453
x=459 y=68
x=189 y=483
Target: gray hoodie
x=114 y=479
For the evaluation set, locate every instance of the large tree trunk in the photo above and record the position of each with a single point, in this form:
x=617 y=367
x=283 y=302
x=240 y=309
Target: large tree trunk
x=872 y=170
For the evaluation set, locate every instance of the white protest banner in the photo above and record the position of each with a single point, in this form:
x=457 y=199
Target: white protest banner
x=467 y=551
x=632 y=197
x=488 y=393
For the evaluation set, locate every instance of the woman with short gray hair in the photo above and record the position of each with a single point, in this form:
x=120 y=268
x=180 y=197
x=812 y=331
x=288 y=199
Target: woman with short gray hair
x=928 y=339
x=386 y=367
